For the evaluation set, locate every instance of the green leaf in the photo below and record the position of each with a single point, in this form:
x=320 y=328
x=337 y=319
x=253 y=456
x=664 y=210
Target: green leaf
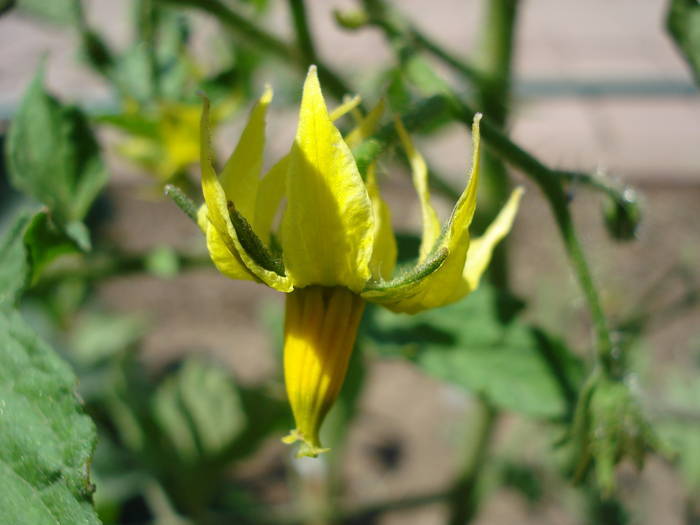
x=46 y=441
x=62 y=12
x=54 y=157
x=29 y=245
x=683 y=23
x=99 y=336
x=466 y=345
x=133 y=74
x=199 y=411
x=680 y=426
x=14 y=267
x=44 y=242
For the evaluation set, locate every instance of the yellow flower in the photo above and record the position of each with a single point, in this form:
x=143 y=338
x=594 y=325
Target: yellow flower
x=334 y=248
x=165 y=140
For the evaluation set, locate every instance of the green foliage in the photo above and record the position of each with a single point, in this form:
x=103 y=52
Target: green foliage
x=62 y=12
x=465 y=344
x=680 y=429
x=14 y=272
x=53 y=156
x=46 y=441
x=683 y=22
x=610 y=426
x=198 y=411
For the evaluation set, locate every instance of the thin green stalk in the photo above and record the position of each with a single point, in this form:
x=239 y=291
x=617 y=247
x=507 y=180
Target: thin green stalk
x=303 y=33
x=147 y=18
x=308 y=52
x=242 y=27
x=266 y=42
x=494 y=93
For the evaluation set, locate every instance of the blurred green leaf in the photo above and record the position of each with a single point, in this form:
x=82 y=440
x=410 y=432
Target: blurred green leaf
x=29 y=245
x=45 y=242
x=683 y=22
x=199 y=411
x=466 y=345
x=163 y=262
x=61 y=12
x=46 y=441
x=100 y=335
x=14 y=267
x=680 y=427
x=54 y=157
x=133 y=75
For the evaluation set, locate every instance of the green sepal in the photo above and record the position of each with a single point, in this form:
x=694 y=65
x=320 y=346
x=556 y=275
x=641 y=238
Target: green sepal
x=252 y=244
x=412 y=276
x=182 y=201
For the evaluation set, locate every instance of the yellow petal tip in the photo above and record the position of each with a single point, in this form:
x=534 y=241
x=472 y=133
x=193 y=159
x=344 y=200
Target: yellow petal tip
x=307 y=449
x=268 y=92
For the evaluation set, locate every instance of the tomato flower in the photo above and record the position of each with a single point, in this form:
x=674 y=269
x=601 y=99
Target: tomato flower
x=334 y=248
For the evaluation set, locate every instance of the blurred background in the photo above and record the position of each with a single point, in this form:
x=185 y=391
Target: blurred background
x=596 y=86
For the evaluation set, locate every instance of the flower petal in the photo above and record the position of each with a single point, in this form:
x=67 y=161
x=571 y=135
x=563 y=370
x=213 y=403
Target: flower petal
x=480 y=249
x=219 y=220
x=431 y=223
x=384 y=252
x=270 y=195
x=366 y=126
x=241 y=174
x=445 y=284
x=328 y=225
x=349 y=103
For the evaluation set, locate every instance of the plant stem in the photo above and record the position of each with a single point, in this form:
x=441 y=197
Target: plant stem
x=147 y=22
x=463 y=500
x=257 y=37
x=496 y=48
x=303 y=33
x=308 y=52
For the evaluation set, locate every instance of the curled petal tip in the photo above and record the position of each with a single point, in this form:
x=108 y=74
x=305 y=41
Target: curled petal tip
x=268 y=92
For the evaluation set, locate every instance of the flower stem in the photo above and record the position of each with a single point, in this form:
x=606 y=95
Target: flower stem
x=262 y=40
x=309 y=56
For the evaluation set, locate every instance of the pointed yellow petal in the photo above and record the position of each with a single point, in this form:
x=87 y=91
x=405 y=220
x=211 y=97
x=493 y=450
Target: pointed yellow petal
x=220 y=221
x=384 y=251
x=270 y=195
x=431 y=223
x=220 y=253
x=328 y=225
x=202 y=218
x=349 y=103
x=480 y=250
x=271 y=189
x=240 y=176
x=367 y=126
x=446 y=283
